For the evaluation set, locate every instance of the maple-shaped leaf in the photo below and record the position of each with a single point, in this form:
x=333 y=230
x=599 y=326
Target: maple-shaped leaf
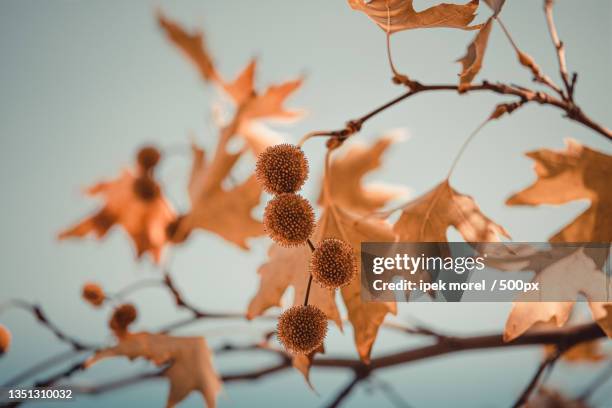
x=347 y=172
x=189 y=360
x=289 y=267
x=427 y=218
x=562 y=273
x=259 y=137
x=135 y=202
x=471 y=62
x=576 y=173
x=365 y=317
x=216 y=208
x=398 y=15
x=192 y=45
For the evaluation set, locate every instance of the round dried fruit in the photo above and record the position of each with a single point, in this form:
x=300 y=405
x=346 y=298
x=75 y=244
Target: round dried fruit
x=122 y=317
x=282 y=169
x=289 y=219
x=302 y=329
x=333 y=264
x=93 y=294
x=148 y=157
x=146 y=188
x=5 y=339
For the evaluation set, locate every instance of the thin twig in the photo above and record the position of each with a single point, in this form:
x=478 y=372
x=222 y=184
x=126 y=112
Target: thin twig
x=344 y=392
x=600 y=380
x=552 y=29
x=531 y=386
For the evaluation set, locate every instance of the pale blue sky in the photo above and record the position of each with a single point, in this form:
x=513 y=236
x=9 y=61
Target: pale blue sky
x=83 y=84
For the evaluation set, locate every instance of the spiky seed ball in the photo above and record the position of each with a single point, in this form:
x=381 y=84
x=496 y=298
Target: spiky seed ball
x=122 y=317
x=5 y=339
x=148 y=157
x=289 y=219
x=333 y=264
x=146 y=188
x=282 y=168
x=302 y=329
x=93 y=294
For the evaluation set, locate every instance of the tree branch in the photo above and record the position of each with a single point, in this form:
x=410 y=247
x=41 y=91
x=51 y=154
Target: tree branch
x=531 y=386
x=525 y=95
x=563 y=338
x=552 y=29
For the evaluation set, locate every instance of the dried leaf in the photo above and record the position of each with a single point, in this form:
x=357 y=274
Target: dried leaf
x=192 y=45
x=585 y=352
x=602 y=313
x=427 y=218
x=346 y=183
x=402 y=15
x=289 y=267
x=136 y=203
x=189 y=358
x=556 y=272
x=573 y=174
x=471 y=62
x=225 y=212
x=303 y=362
x=365 y=317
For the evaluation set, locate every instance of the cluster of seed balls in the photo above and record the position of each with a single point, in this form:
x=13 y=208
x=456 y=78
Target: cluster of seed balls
x=289 y=220
x=145 y=186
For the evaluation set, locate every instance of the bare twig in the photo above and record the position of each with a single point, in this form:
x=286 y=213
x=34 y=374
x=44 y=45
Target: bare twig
x=552 y=29
x=525 y=95
x=531 y=386
x=42 y=318
x=344 y=392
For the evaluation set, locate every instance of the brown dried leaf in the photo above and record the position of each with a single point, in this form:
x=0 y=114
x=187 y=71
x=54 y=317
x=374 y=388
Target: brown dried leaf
x=402 y=15
x=585 y=352
x=365 y=317
x=192 y=45
x=346 y=183
x=143 y=215
x=556 y=272
x=303 y=362
x=289 y=267
x=225 y=212
x=573 y=174
x=471 y=62
x=189 y=358
x=427 y=218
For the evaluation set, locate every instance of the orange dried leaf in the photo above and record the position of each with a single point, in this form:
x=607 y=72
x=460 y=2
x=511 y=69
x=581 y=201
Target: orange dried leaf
x=402 y=16
x=221 y=210
x=576 y=173
x=347 y=173
x=471 y=62
x=427 y=218
x=564 y=273
x=289 y=267
x=365 y=317
x=189 y=358
x=134 y=202
x=192 y=45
